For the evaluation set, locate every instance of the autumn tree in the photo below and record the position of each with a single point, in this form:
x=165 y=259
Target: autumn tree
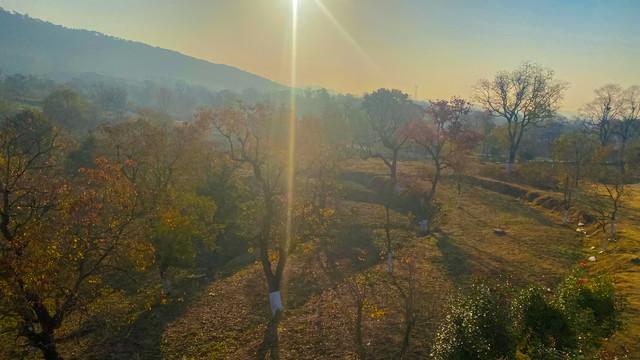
x=164 y=161
x=444 y=132
x=524 y=97
x=254 y=137
x=574 y=152
x=387 y=112
x=462 y=145
x=317 y=161
x=483 y=126
x=67 y=109
x=60 y=237
x=112 y=100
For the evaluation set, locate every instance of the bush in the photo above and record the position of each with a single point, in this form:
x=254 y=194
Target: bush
x=495 y=321
x=479 y=325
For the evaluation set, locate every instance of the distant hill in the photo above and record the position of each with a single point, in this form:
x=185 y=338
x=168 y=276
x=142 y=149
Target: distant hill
x=33 y=46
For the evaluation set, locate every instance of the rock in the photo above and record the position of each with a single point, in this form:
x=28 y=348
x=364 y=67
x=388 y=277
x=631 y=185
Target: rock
x=499 y=232
x=580 y=224
x=593 y=258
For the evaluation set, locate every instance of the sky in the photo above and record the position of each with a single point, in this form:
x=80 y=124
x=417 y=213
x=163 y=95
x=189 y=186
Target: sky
x=355 y=46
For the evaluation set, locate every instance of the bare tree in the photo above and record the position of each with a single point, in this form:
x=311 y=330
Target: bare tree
x=627 y=127
x=524 y=97
x=607 y=194
x=388 y=111
x=603 y=111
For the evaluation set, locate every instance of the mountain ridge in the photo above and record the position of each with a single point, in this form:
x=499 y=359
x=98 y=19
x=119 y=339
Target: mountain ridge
x=34 y=46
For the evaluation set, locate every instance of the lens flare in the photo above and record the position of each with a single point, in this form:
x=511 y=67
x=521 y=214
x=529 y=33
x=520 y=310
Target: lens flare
x=292 y=126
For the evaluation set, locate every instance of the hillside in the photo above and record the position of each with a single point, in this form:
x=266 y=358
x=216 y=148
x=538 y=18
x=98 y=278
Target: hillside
x=33 y=46
x=225 y=318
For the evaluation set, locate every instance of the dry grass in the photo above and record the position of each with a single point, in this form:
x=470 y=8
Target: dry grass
x=229 y=324
x=226 y=318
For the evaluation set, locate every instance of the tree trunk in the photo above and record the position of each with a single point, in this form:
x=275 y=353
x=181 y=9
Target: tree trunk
x=393 y=166
x=612 y=230
x=166 y=283
x=388 y=231
x=512 y=159
x=50 y=352
x=622 y=148
x=565 y=216
x=43 y=340
x=275 y=301
x=434 y=183
x=360 y=350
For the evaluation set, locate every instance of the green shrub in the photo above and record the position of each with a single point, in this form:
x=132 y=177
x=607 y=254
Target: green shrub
x=480 y=325
x=497 y=321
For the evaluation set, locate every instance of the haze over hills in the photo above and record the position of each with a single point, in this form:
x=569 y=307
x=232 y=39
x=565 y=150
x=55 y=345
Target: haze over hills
x=33 y=46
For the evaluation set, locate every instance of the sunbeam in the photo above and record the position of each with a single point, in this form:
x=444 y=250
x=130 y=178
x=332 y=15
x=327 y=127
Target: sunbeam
x=292 y=123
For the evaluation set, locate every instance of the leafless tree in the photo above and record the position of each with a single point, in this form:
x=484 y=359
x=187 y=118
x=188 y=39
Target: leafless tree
x=388 y=111
x=603 y=111
x=524 y=97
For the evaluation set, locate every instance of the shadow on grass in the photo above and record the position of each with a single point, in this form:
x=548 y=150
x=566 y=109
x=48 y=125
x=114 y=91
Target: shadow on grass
x=361 y=187
x=454 y=259
x=509 y=205
x=335 y=261
x=142 y=338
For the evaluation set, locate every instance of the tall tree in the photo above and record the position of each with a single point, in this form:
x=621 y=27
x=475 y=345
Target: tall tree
x=254 y=136
x=387 y=111
x=112 y=100
x=627 y=127
x=608 y=192
x=68 y=109
x=444 y=133
x=603 y=111
x=574 y=152
x=59 y=237
x=163 y=160
x=524 y=97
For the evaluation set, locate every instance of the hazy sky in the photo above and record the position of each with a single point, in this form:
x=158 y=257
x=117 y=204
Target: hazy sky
x=442 y=46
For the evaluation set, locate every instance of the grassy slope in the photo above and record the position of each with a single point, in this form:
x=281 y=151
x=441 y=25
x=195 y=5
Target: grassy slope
x=228 y=319
x=622 y=261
